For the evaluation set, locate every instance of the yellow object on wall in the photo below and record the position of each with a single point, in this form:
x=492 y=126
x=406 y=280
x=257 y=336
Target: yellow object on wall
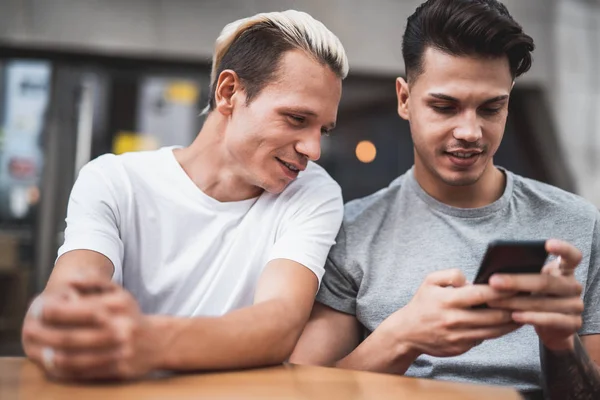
x=182 y=92
x=131 y=141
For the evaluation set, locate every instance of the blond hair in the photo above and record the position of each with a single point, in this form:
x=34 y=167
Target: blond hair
x=285 y=30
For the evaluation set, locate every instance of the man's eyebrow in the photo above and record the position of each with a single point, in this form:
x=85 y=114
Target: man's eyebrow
x=300 y=110
x=442 y=96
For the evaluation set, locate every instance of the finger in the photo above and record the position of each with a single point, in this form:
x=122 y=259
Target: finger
x=118 y=301
x=38 y=355
x=107 y=372
x=563 y=322
x=88 y=363
x=567 y=305
x=33 y=351
x=477 y=318
x=479 y=334
x=36 y=306
x=62 y=291
x=83 y=366
x=92 y=284
x=70 y=339
x=473 y=295
x=446 y=278
x=84 y=312
x=552 y=268
x=570 y=256
x=537 y=283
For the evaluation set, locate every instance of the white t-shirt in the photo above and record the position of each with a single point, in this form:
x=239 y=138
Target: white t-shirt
x=181 y=252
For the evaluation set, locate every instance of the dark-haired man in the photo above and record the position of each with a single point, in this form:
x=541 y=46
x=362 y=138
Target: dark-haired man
x=215 y=250
x=390 y=300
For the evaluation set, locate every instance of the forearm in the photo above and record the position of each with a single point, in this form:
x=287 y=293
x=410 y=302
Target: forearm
x=260 y=335
x=75 y=264
x=380 y=352
x=570 y=374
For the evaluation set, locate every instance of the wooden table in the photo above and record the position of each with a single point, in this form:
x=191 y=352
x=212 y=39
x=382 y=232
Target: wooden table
x=20 y=379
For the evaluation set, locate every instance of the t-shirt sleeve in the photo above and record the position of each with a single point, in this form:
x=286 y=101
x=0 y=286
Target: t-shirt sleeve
x=591 y=298
x=93 y=216
x=309 y=229
x=338 y=289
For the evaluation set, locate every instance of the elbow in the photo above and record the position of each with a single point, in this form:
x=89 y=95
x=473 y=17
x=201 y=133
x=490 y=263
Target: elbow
x=285 y=330
x=283 y=349
x=282 y=344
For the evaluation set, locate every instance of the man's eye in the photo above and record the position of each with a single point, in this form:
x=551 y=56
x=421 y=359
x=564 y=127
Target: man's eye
x=297 y=119
x=490 y=111
x=443 y=109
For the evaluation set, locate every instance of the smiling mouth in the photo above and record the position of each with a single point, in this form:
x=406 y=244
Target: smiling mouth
x=464 y=155
x=289 y=166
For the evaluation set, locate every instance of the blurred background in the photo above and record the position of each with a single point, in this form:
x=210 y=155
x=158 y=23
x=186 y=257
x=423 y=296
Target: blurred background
x=80 y=78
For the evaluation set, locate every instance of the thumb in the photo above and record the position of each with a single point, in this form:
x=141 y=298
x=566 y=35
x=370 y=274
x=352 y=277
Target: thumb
x=447 y=278
x=552 y=268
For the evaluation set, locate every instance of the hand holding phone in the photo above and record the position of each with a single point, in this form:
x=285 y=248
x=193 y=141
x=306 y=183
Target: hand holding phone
x=555 y=311
x=512 y=257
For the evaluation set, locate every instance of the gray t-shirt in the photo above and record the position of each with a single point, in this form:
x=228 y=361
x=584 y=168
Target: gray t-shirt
x=390 y=241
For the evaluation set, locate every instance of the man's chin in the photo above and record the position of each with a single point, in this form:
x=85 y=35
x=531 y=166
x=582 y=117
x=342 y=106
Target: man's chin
x=463 y=178
x=276 y=187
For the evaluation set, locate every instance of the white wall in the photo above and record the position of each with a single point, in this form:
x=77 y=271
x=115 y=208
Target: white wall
x=577 y=98
x=566 y=32
x=371 y=30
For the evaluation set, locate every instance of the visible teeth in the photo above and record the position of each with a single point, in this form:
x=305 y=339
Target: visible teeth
x=290 y=166
x=463 y=155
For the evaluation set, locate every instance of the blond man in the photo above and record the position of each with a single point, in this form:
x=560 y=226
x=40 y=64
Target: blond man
x=209 y=256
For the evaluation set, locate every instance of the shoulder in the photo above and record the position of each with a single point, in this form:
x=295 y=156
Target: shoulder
x=375 y=206
x=547 y=200
x=106 y=170
x=313 y=184
x=314 y=176
x=368 y=216
x=118 y=168
x=314 y=197
x=110 y=177
x=104 y=164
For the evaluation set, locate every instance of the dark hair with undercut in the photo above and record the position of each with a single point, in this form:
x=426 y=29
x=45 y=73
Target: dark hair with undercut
x=465 y=28
x=253 y=47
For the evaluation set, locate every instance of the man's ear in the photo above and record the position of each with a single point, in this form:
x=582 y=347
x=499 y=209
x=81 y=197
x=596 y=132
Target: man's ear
x=228 y=91
x=402 y=93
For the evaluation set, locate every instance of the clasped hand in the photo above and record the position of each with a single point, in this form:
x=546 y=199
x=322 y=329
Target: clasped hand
x=89 y=329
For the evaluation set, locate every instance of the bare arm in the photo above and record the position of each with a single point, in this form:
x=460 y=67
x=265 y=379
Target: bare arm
x=438 y=321
x=329 y=336
x=77 y=263
x=592 y=345
x=262 y=334
x=133 y=344
x=572 y=374
x=333 y=338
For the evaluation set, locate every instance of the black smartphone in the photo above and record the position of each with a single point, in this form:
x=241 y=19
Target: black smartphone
x=512 y=257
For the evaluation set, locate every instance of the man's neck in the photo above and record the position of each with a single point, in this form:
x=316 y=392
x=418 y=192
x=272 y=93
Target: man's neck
x=488 y=188
x=205 y=163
